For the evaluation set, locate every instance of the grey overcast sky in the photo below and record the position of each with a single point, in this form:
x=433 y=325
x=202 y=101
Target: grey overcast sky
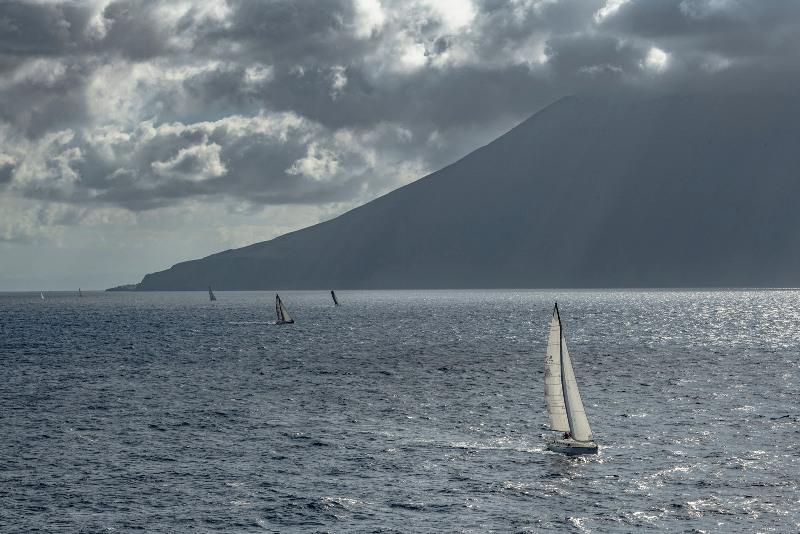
x=136 y=134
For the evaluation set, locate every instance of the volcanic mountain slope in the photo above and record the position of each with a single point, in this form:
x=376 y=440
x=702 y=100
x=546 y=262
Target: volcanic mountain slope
x=677 y=191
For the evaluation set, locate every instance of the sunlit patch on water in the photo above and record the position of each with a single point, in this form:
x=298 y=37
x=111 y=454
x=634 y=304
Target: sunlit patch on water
x=347 y=503
x=649 y=516
x=537 y=489
x=578 y=522
x=662 y=477
x=502 y=443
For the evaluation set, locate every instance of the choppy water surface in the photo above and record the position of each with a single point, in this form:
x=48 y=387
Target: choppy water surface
x=398 y=411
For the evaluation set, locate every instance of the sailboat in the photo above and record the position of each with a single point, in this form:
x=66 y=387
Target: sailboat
x=79 y=292
x=283 y=315
x=564 y=406
x=335 y=302
x=211 y=296
x=41 y=295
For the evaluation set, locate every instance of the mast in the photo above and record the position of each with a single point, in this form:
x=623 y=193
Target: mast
x=553 y=388
x=561 y=360
x=563 y=381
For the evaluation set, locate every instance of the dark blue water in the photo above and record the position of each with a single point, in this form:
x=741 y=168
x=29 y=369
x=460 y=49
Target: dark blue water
x=396 y=412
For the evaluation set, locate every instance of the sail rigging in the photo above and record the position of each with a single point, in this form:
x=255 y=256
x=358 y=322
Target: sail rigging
x=282 y=313
x=564 y=405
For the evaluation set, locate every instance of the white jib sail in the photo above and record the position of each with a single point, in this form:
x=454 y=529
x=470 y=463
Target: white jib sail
x=553 y=392
x=576 y=415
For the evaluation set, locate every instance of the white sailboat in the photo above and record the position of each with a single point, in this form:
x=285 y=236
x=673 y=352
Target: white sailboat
x=564 y=405
x=211 y=296
x=283 y=314
x=41 y=295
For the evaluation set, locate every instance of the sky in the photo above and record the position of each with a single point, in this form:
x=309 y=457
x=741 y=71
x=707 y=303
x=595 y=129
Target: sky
x=137 y=134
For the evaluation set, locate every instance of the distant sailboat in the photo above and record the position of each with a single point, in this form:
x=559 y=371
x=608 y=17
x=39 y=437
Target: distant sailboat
x=280 y=310
x=211 y=296
x=41 y=295
x=564 y=406
x=79 y=292
x=336 y=302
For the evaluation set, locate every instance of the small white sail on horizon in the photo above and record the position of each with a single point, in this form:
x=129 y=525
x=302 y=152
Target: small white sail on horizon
x=282 y=313
x=564 y=404
x=41 y=295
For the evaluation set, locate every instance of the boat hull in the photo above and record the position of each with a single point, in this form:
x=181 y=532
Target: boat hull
x=570 y=447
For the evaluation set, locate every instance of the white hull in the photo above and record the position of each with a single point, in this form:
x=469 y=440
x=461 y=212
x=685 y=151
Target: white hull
x=570 y=447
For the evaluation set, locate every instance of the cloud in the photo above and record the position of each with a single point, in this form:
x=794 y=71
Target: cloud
x=270 y=158
x=30 y=221
x=7 y=166
x=124 y=104
x=195 y=163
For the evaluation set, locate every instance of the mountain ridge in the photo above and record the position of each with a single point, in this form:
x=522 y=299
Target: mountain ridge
x=672 y=191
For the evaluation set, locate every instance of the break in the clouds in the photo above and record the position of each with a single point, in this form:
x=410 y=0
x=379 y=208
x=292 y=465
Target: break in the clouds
x=124 y=108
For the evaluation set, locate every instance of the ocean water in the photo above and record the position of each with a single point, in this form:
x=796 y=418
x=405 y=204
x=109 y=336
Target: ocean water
x=399 y=411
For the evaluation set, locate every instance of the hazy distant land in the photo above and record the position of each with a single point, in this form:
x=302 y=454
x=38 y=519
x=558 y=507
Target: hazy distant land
x=688 y=190
x=124 y=287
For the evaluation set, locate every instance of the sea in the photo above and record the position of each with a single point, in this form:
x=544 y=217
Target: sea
x=398 y=411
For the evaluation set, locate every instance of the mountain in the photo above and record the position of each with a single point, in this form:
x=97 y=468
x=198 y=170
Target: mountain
x=675 y=191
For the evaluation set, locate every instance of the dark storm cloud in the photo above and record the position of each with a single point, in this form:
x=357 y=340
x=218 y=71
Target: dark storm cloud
x=50 y=95
x=717 y=45
x=144 y=103
x=284 y=31
x=135 y=31
x=593 y=57
x=703 y=18
x=6 y=171
x=467 y=95
x=37 y=29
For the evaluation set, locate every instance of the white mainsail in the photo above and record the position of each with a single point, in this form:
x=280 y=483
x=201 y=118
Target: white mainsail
x=553 y=392
x=564 y=405
x=41 y=295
